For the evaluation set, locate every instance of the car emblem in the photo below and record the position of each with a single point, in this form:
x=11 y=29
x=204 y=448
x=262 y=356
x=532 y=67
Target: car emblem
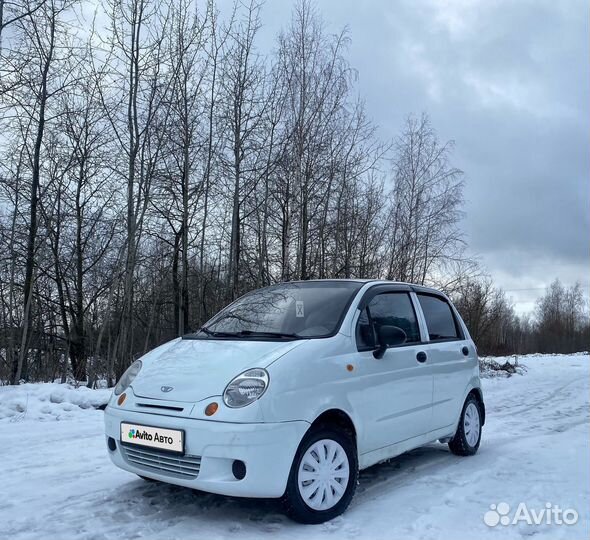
x=166 y=388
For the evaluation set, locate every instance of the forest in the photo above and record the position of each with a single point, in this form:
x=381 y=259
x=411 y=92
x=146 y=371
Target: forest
x=155 y=165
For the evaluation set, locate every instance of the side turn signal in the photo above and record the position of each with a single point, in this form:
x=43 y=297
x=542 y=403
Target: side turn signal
x=211 y=409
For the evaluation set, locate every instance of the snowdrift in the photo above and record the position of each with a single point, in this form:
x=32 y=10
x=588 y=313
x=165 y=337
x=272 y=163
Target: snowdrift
x=48 y=401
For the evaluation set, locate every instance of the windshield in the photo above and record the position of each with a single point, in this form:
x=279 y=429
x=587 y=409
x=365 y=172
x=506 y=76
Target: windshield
x=288 y=311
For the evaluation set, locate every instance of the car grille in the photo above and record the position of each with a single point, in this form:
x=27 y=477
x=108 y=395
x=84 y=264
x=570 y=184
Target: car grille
x=151 y=459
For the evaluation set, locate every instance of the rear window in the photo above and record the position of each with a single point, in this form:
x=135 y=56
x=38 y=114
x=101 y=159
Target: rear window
x=439 y=317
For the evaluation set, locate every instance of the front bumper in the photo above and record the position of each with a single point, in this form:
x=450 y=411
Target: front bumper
x=267 y=449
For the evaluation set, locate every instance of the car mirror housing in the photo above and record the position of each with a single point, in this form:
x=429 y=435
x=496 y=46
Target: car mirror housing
x=388 y=336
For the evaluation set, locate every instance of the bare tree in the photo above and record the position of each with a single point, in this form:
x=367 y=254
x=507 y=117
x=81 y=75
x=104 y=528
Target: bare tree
x=134 y=96
x=562 y=323
x=159 y=165
x=427 y=197
x=13 y=12
x=242 y=105
x=317 y=78
x=81 y=194
x=45 y=71
x=177 y=190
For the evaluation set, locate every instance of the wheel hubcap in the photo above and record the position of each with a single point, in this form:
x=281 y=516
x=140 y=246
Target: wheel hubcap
x=323 y=474
x=471 y=424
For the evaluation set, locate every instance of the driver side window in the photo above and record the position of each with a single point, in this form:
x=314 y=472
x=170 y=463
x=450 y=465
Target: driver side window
x=392 y=309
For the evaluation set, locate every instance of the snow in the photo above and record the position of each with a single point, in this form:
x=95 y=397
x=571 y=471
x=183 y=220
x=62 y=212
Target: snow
x=48 y=401
x=58 y=482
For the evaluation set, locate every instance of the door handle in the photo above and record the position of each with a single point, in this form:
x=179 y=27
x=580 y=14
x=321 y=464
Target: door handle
x=465 y=351
x=421 y=357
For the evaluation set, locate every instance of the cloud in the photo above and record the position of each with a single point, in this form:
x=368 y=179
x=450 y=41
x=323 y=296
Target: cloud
x=509 y=82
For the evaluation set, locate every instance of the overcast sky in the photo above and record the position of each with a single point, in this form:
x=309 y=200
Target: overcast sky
x=508 y=81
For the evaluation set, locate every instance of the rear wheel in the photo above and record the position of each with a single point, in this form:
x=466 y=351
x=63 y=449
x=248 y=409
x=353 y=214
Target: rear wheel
x=323 y=476
x=468 y=436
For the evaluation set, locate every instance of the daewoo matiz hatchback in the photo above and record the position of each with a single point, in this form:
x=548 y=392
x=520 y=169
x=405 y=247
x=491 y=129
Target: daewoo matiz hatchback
x=292 y=389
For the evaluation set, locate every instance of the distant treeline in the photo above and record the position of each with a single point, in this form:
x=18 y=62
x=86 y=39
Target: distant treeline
x=154 y=165
x=559 y=324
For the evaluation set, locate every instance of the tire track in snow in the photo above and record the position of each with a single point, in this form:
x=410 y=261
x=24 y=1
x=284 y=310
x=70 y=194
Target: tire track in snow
x=547 y=400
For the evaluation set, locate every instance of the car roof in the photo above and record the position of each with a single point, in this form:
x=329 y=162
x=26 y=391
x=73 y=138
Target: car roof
x=352 y=280
x=402 y=284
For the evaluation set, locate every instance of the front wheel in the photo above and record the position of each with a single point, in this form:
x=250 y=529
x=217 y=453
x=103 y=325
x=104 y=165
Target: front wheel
x=468 y=436
x=323 y=476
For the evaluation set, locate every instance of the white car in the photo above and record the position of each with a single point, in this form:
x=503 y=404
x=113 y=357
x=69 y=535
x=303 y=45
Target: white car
x=292 y=389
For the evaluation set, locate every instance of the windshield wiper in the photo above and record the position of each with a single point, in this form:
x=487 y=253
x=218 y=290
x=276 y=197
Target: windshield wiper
x=248 y=333
x=212 y=333
x=256 y=333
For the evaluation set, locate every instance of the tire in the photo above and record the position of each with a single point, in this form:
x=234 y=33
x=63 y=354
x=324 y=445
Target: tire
x=468 y=436
x=338 y=444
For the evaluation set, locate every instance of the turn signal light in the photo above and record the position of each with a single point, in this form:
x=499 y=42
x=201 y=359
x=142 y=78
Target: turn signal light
x=211 y=409
x=122 y=399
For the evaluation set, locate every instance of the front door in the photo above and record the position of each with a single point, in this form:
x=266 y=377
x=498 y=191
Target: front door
x=396 y=397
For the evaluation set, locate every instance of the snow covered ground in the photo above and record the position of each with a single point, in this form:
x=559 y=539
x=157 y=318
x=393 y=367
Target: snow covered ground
x=56 y=480
x=48 y=401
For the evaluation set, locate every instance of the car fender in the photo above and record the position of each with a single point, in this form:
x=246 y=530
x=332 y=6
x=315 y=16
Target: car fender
x=473 y=384
x=310 y=380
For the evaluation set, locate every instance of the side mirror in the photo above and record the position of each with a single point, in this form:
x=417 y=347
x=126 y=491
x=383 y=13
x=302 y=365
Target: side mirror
x=388 y=336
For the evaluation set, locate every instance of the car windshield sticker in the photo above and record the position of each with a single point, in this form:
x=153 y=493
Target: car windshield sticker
x=299 y=309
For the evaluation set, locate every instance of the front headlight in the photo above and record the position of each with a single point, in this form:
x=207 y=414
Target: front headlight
x=128 y=377
x=246 y=388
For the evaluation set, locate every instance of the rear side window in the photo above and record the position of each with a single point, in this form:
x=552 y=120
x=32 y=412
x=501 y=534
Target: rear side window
x=393 y=309
x=439 y=317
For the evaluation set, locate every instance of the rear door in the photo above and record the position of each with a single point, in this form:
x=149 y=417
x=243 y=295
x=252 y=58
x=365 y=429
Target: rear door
x=396 y=403
x=450 y=356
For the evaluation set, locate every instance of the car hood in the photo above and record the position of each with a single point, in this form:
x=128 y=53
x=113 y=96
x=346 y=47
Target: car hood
x=196 y=369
